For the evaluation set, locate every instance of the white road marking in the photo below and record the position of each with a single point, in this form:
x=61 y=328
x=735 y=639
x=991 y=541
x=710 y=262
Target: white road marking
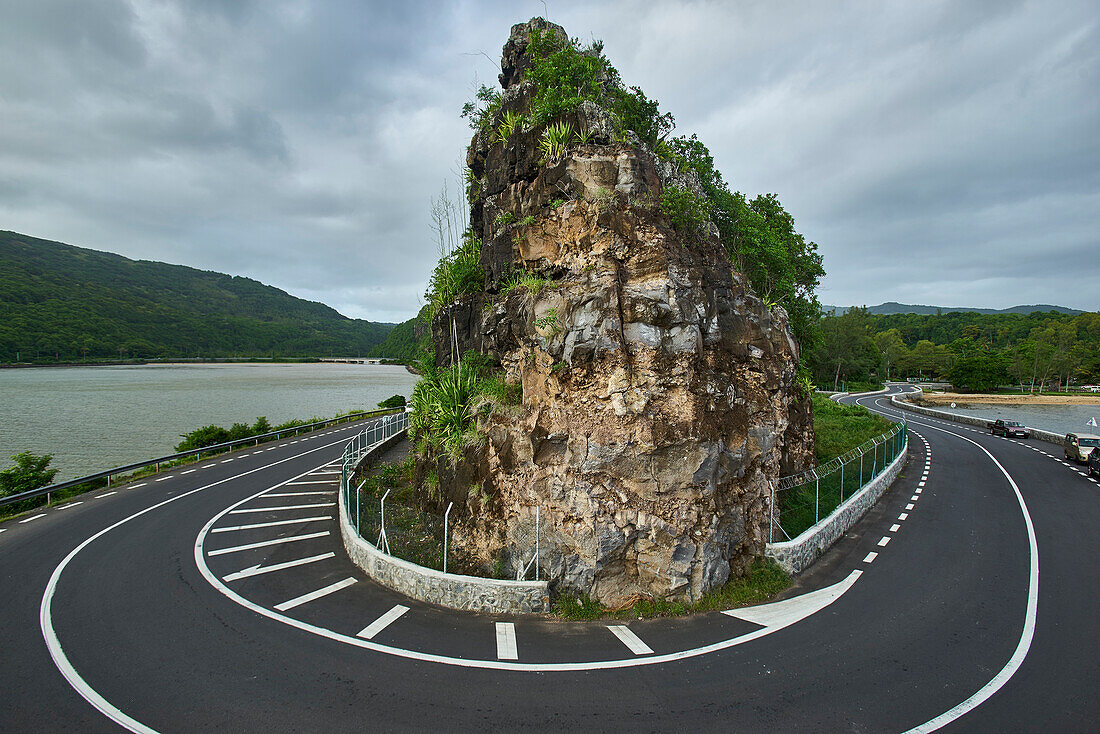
x=321 y=481
x=265 y=543
x=918 y=490
x=506 y=641
x=270 y=524
x=187 y=472
x=910 y=506
x=227 y=461
x=319 y=473
x=258 y=569
x=287 y=507
x=107 y=494
x=870 y=557
x=920 y=484
x=135 y=486
x=3 y=530
x=314 y=595
x=162 y=479
x=35 y=517
x=895 y=527
x=884 y=540
x=904 y=515
x=631 y=640
x=382 y=622
x=298 y=494
x=71 y=504
x=914 y=498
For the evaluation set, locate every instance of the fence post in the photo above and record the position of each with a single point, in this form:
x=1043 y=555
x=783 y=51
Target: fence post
x=817 y=498
x=358 y=507
x=842 y=481
x=860 y=466
x=446 y=533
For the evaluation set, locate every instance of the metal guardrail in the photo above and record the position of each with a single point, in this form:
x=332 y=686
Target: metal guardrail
x=828 y=483
x=216 y=448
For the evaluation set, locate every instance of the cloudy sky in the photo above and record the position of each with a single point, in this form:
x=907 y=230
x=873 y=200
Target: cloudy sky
x=941 y=153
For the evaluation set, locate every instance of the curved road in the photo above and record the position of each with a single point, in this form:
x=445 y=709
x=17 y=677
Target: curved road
x=219 y=597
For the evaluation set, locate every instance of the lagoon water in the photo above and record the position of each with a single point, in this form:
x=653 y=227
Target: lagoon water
x=1056 y=418
x=93 y=418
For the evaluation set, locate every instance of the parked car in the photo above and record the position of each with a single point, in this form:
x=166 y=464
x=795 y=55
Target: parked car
x=1094 y=463
x=1078 y=446
x=1009 y=428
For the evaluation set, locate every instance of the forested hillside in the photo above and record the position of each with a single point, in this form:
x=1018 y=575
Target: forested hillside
x=400 y=344
x=65 y=303
x=971 y=350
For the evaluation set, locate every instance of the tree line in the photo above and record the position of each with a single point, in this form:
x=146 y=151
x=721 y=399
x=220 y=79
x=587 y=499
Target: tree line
x=1039 y=351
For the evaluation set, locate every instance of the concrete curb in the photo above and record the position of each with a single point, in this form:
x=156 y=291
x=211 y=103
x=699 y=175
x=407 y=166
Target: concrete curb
x=465 y=593
x=799 y=553
x=1048 y=436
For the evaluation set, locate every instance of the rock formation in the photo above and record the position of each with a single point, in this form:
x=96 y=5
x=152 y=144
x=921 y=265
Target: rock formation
x=658 y=390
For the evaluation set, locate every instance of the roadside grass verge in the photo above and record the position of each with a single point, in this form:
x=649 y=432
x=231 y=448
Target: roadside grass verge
x=764 y=580
x=841 y=428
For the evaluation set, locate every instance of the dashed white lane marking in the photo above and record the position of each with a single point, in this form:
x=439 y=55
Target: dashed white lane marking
x=884 y=540
x=35 y=517
x=324 y=481
x=135 y=486
x=914 y=498
x=910 y=506
x=71 y=504
x=631 y=640
x=299 y=494
x=106 y=494
x=920 y=484
x=227 y=461
x=314 y=595
x=257 y=570
x=904 y=515
x=382 y=622
x=287 y=507
x=895 y=527
x=270 y=524
x=3 y=530
x=265 y=543
x=186 y=472
x=163 y=479
x=506 y=641
x=918 y=490
x=870 y=557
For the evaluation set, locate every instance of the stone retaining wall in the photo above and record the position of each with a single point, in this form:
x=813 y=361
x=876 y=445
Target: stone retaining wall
x=797 y=554
x=467 y=593
x=1049 y=437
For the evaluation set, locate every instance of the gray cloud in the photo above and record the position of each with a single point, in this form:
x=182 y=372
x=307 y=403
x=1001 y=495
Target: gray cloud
x=937 y=152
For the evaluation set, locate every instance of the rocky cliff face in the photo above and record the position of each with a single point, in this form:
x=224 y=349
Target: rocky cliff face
x=658 y=390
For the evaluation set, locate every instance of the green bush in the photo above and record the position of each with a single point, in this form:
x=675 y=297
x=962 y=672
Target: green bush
x=394 y=401
x=686 y=211
x=29 y=472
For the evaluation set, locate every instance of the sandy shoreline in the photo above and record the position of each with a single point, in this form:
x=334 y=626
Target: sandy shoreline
x=963 y=400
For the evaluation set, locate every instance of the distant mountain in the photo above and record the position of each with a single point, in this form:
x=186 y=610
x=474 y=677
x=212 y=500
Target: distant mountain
x=887 y=309
x=68 y=303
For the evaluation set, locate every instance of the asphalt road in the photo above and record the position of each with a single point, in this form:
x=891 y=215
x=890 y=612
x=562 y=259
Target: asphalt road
x=169 y=616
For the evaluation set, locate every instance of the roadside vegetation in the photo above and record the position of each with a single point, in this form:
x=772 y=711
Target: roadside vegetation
x=840 y=428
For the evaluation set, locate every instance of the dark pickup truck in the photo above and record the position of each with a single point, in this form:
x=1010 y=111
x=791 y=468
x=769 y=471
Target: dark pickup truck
x=1009 y=428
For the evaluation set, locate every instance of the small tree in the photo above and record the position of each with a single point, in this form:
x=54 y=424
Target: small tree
x=29 y=472
x=394 y=401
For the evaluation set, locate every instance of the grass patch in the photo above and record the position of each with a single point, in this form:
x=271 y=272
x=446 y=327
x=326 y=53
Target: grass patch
x=764 y=580
x=841 y=428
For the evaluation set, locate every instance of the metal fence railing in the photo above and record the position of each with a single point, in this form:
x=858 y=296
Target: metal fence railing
x=107 y=474
x=800 y=501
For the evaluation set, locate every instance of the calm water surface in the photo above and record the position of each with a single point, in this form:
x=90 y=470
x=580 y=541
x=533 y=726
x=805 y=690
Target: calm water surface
x=1056 y=418
x=93 y=418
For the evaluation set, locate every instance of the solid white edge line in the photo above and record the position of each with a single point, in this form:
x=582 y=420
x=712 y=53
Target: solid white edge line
x=45 y=611
x=265 y=543
x=631 y=640
x=383 y=622
x=506 y=641
x=998 y=681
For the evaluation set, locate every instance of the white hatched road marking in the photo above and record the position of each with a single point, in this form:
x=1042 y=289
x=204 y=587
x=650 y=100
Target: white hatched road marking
x=270 y=524
x=870 y=557
x=506 y=641
x=288 y=507
x=382 y=622
x=314 y=595
x=298 y=494
x=35 y=517
x=258 y=569
x=265 y=543
x=631 y=640
x=322 y=481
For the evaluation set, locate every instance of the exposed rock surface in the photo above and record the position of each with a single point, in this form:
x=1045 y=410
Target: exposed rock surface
x=658 y=390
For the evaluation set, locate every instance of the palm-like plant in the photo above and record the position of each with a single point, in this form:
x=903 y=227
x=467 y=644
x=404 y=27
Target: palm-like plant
x=554 y=139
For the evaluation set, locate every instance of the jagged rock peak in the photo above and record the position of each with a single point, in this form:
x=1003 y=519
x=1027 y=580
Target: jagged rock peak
x=513 y=62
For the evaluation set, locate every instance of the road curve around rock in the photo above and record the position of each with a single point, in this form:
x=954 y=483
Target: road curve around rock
x=938 y=611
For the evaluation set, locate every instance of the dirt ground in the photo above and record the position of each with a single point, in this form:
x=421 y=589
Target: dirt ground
x=946 y=398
